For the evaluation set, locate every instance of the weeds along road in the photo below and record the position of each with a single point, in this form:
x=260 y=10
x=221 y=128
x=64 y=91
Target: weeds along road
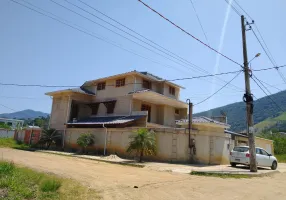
x=117 y=182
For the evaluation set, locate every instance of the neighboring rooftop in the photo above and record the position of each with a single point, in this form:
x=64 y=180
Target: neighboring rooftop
x=202 y=119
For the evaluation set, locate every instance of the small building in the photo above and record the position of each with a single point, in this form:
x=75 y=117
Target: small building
x=13 y=123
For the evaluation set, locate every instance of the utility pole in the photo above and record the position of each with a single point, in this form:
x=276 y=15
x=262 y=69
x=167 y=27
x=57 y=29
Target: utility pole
x=248 y=99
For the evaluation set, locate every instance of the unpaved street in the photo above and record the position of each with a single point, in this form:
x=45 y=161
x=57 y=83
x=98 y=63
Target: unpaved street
x=117 y=182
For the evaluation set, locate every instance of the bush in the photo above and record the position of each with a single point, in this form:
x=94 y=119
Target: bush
x=84 y=140
x=279 y=141
x=50 y=185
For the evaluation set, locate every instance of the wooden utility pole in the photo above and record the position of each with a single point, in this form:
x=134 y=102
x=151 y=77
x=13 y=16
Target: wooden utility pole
x=248 y=99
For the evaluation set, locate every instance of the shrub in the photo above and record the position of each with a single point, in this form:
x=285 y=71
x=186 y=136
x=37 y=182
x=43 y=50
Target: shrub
x=50 y=185
x=84 y=140
x=143 y=143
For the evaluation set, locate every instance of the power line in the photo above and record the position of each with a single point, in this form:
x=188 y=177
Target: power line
x=169 y=53
x=197 y=15
x=57 y=86
x=232 y=6
x=242 y=9
x=60 y=20
x=219 y=89
x=265 y=92
x=80 y=29
x=186 y=32
x=177 y=79
x=177 y=56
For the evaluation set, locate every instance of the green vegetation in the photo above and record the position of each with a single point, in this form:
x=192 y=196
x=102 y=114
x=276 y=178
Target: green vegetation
x=11 y=143
x=143 y=143
x=279 y=141
x=221 y=175
x=50 y=136
x=263 y=109
x=17 y=183
x=5 y=126
x=85 y=140
x=278 y=123
x=281 y=158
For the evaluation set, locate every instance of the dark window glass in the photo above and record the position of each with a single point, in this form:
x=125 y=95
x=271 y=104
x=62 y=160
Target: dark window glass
x=120 y=82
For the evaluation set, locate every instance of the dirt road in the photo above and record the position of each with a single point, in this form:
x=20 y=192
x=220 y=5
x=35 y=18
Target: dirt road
x=117 y=182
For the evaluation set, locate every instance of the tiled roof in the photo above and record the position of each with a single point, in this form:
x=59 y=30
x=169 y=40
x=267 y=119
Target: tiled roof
x=202 y=119
x=108 y=120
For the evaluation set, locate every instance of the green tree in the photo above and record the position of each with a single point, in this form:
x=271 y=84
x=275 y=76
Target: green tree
x=50 y=136
x=279 y=140
x=5 y=126
x=85 y=140
x=143 y=143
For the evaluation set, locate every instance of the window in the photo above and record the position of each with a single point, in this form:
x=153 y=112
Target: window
x=110 y=105
x=177 y=111
x=146 y=84
x=101 y=86
x=171 y=90
x=94 y=108
x=262 y=152
x=120 y=82
x=240 y=149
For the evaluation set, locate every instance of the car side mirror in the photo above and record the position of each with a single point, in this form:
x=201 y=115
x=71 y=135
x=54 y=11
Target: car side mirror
x=270 y=154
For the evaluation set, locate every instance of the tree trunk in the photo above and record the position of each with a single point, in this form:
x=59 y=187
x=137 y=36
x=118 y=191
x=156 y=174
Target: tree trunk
x=48 y=145
x=141 y=155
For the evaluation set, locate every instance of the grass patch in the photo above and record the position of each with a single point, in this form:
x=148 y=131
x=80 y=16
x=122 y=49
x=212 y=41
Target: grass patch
x=11 y=143
x=51 y=185
x=281 y=158
x=17 y=183
x=220 y=175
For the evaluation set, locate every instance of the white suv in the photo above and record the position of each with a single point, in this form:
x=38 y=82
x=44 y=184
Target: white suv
x=240 y=155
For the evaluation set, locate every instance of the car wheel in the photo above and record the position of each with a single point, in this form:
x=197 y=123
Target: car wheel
x=233 y=164
x=274 y=165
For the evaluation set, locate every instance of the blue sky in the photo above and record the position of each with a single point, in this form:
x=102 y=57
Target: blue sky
x=35 y=49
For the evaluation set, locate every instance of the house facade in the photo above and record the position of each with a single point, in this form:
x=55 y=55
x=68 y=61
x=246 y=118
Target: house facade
x=128 y=99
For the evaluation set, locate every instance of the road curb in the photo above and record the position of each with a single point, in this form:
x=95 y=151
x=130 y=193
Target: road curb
x=233 y=174
x=95 y=159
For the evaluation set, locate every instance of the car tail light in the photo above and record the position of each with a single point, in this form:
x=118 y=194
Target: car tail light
x=247 y=155
x=229 y=153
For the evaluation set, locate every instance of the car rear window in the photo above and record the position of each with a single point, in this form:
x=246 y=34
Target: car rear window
x=241 y=149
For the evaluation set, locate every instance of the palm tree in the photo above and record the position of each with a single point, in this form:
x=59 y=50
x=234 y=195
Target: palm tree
x=50 y=136
x=144 y=143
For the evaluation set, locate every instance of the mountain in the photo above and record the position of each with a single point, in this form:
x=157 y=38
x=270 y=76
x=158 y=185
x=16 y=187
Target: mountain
x=264 y=108
x=272 y=123
x=24 y=114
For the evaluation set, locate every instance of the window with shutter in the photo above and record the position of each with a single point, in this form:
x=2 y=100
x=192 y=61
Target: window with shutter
x=101 y=86
x=171 y=90
x=120 y=82
x=146 y=84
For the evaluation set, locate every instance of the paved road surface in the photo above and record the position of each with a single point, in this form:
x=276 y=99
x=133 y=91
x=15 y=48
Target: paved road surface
x=117 y=182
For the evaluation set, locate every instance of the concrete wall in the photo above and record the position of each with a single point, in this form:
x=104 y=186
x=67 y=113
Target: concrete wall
x=6 y=133
x=172 y=144
x=259 y=142
x=59 y=112
x=166 y=92
x=111 y=91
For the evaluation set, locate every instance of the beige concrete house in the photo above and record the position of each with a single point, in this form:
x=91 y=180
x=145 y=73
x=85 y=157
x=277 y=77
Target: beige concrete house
x=123 y=100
